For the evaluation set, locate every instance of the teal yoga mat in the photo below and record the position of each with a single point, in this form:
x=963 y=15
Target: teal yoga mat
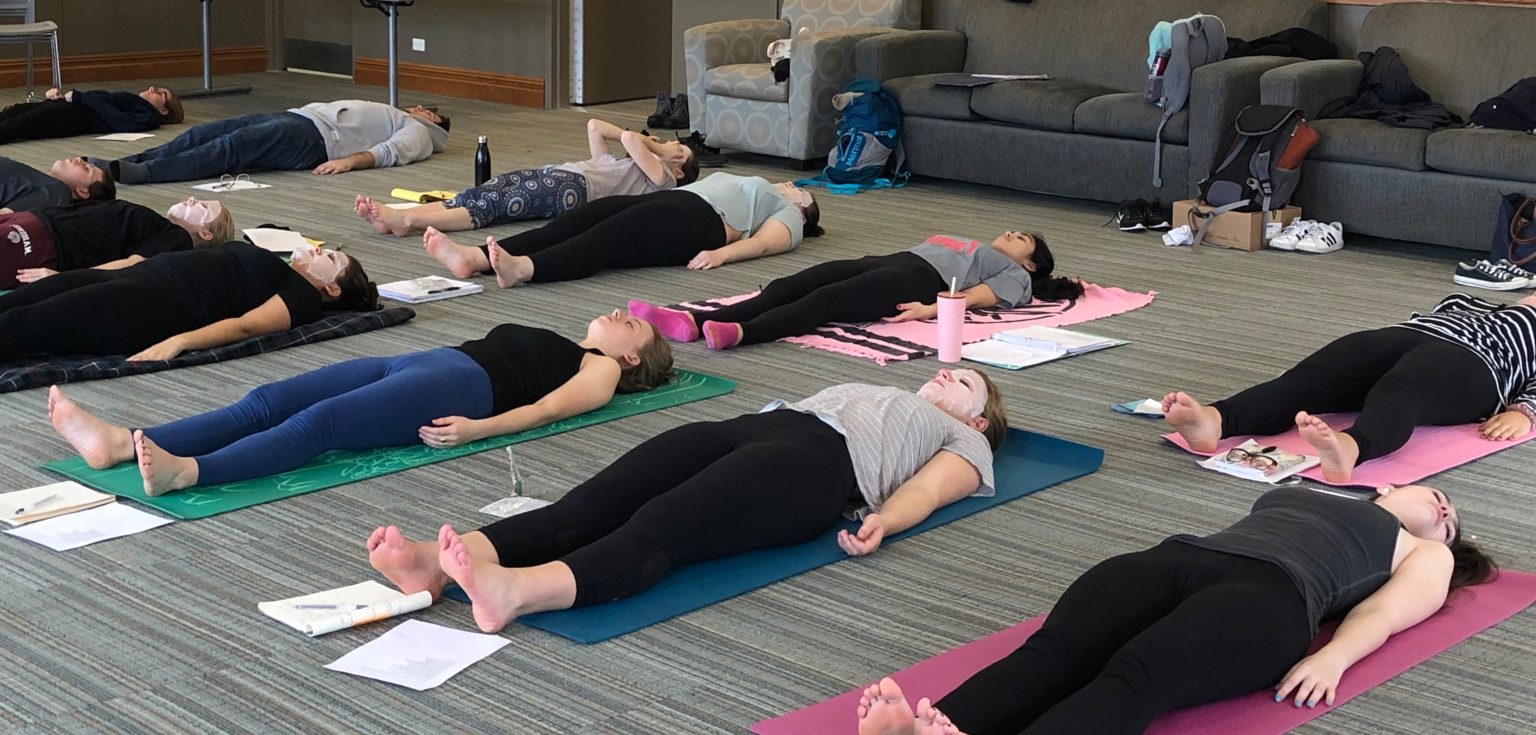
x=1026 y=463
x=339 y=468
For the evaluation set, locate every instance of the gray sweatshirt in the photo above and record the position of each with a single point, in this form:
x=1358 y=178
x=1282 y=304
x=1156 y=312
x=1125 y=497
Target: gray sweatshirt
x=393 y=136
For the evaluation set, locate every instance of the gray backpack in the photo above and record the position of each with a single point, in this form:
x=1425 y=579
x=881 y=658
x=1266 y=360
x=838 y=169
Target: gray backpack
x=1194 y=42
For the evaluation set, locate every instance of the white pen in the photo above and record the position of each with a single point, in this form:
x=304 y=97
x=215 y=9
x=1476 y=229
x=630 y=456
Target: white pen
x=330 y=607
x=25 y=509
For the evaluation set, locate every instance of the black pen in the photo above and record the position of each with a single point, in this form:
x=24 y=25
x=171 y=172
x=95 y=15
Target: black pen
x=443 y=290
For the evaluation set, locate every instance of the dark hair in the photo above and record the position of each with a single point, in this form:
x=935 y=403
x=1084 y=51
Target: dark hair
x=997 y=418
x=690 y=171
x=357 y=292
x=102 y=191
x=173 y=112
x=1042 y=284
x=654 y=368
x=444 y=122
x=1470 y=566
x=812 y=213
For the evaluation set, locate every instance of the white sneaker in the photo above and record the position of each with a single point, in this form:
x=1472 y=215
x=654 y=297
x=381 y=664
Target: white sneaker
x=1291 y=235
x=1322 y=238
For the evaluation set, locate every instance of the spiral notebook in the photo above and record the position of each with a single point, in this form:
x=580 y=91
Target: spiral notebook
x=428 y=288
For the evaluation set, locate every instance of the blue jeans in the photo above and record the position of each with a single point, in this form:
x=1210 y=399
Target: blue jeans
x=359 y=404
x=282 y=141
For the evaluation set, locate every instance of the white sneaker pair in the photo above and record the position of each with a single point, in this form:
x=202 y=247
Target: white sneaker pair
x=1309 y=236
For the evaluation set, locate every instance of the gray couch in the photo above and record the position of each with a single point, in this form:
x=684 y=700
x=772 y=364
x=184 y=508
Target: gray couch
x=1428 y=186
x=1087 y=132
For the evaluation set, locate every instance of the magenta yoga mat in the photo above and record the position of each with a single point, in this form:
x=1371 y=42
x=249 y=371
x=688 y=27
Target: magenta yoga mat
x=1469 y=612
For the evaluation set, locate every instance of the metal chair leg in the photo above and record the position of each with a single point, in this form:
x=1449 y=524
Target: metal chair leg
x=53 y=47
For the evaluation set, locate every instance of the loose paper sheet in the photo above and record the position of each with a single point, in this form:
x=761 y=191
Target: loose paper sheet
x=418 y=655
x=89 y=526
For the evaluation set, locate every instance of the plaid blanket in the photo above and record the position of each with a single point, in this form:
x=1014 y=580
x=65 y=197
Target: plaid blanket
x=35 y=371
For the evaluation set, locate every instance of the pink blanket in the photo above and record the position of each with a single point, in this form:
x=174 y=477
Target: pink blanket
x=1470 y=611
x=882 y=341
x=1431 y=450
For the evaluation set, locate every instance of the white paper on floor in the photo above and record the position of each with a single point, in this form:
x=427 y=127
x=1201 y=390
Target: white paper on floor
x=126 y=137
x=89 y=526
x=418 y=655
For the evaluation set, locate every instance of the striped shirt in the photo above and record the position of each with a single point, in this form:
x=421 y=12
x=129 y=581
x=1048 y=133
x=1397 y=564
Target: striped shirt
x=1503 y=336
x=891 y=434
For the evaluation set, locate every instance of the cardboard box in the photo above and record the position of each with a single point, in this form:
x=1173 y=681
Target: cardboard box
x=1236 y=230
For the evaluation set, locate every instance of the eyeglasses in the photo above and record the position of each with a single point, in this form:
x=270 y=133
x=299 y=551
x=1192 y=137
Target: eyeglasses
x=1261 y=460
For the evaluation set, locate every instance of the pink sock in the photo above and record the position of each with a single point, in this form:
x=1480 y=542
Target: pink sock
x=673 y=324
x=722 y=335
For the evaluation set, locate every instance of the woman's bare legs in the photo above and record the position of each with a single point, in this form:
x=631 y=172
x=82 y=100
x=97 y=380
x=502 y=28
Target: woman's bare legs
x=460 y=260
x=884 y=710
x=1199 y=425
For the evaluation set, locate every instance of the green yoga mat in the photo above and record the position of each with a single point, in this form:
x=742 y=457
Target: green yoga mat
x=339 y=468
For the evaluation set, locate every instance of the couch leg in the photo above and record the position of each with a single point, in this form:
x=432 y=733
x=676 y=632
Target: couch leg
x=814 y=163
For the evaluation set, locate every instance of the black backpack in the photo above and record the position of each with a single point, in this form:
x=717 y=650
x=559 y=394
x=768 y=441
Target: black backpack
x=1513 y=110
x=1248 y=174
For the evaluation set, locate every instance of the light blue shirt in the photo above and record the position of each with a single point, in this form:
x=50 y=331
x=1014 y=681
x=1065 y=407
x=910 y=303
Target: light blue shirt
x=392 y=135
x=747 y=202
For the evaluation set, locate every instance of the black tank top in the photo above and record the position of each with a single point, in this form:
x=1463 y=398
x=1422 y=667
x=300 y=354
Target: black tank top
x=1337 y=550
x=524 y=363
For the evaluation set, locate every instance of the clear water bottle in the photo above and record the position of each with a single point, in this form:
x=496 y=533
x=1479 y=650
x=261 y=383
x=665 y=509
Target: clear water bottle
x=482 y=162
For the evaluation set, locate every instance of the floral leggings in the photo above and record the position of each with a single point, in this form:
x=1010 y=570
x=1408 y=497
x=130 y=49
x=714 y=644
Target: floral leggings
x=540 y=193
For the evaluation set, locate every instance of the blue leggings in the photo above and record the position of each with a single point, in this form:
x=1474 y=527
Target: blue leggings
x=366 y=403
x=540 y=193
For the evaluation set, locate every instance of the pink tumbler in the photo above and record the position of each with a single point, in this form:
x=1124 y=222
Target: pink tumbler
x=951 y=324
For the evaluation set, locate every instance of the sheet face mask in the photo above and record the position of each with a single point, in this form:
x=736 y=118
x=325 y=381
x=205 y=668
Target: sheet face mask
x=322 y=263
x=955 y=397
x=196 y=213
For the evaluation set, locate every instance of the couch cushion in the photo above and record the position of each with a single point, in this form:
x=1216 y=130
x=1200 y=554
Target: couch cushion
x=1370 y=142
x=745 y=81
x=920 y=97
x=1045 y=104
x=1498 y=154
x=1129 y=115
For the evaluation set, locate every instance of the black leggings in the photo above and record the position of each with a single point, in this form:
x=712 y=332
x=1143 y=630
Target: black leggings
x=46 y=119
x=698 y=492
x=660 y=228
x=92 y=312
x=1137 y=635
x=860 y=290
x=1396 y=378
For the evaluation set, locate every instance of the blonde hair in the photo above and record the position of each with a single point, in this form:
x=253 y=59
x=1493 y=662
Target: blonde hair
x=653 y=370
x=997 y=418
x=221 y=229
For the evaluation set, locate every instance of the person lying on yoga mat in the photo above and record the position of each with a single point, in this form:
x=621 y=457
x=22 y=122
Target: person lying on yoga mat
x=714 y=489
x=71 y=112
x=1467 y=360
x=1200 y=619
x=548 y=191
x=106 y=235
x=514 y=379
x=1008 y=272
x=175 y=302
x=722 y=218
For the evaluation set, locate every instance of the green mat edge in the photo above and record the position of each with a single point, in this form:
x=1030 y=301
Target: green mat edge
x=124 y=481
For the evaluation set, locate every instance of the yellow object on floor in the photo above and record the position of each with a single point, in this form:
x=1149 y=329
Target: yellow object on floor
x=422 y=197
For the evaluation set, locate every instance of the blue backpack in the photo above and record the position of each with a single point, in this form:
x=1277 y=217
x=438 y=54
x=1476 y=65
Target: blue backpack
x=868 y=152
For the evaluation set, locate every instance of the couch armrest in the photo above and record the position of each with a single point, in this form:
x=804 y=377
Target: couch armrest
x=1309 y=84
x=725 y=42
x=820 y=65
x=1218 y=91
x=910 y=53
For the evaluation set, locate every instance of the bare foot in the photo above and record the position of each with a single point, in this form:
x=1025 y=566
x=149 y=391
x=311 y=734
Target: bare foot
x=1199 y=425
x=408 y=565
x=883 y=710
x=394 y=219
x=1338 y=451
x=511 y=270
x=99 y=443
x=930 y=721
x=491 y=588
x=461 y=261
x=365 y=208
x=162 y=471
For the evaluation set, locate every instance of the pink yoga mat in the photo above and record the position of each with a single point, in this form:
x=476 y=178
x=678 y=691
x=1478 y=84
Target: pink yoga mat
x=1431 y=450
x=883 y=341
x=1470 y=611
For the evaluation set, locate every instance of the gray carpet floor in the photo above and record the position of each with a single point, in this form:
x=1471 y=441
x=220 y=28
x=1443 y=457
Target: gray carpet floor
x=159 y=632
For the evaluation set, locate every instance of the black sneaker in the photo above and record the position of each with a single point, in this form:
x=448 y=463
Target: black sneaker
x=1492 y=276
x=677 y=117
x=658 y=118
x=1131 y=216
x=1154 y=216
x=708 y=156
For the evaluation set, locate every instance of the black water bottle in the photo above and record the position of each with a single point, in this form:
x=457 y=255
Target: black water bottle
x=482 y=162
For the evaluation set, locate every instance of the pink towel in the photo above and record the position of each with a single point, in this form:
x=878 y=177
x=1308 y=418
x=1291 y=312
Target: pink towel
x=883 y=341
x=1470 y=611
x=1431 y=449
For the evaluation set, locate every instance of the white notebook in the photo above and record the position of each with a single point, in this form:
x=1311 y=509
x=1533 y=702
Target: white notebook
x=344 y=607
x=47 y=501
x=1021 y=348
x=428 y=288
